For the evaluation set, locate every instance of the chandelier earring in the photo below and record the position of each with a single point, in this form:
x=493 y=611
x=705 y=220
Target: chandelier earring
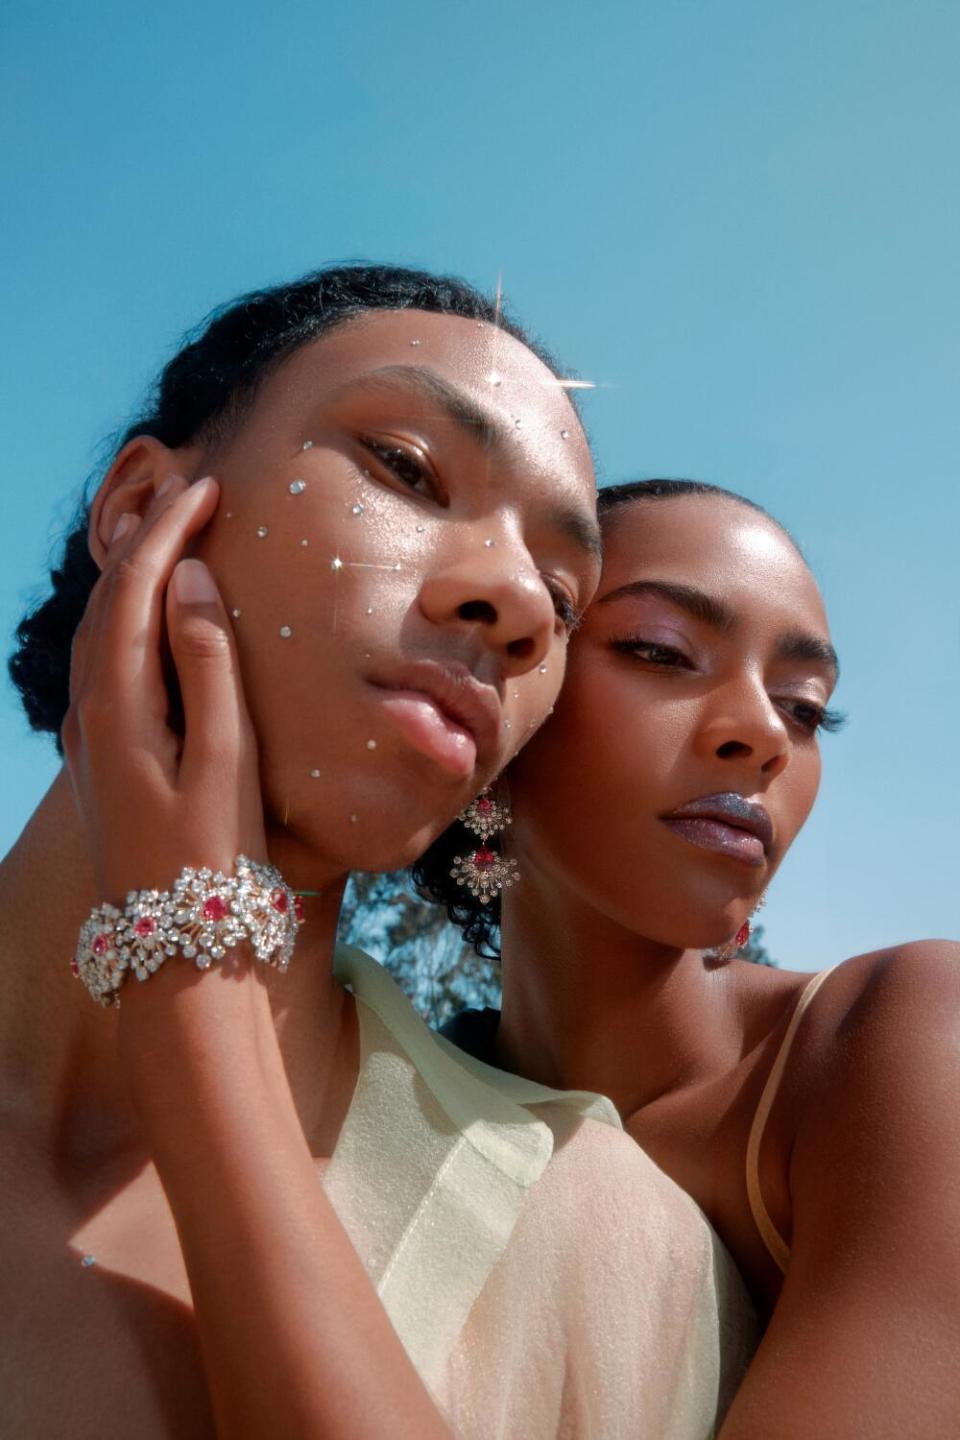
x=732 y=948
x=485 y=872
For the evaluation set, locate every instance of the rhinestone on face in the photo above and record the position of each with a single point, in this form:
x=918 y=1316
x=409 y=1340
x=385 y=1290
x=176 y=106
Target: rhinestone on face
x=336 y=563
x=356 y=509
x=262 y=532
x=489 y=544
x=397 y=566
x=369 y=609
x=494 y=379
x=371 y=744
x=304 y=543
x=519 y=424
x=314 y=774
x=353 y=819
x=564 y=434
x=308 y=444
x=542 y=669
x=88 y=1261
x=420 y=529
x=297 y=487
x=414 y=342
x=236 y=614
x=285 y=632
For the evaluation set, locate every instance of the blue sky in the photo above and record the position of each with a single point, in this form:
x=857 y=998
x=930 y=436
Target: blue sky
x=743 y=219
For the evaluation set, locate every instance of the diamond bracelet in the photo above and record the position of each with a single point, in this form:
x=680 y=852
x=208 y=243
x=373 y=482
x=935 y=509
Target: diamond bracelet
x=206 y=914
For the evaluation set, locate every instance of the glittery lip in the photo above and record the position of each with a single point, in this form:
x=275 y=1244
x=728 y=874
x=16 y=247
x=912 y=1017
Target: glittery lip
x=463 y=701
x=726 y=822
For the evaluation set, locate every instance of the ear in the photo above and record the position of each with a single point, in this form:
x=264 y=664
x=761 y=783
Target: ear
x=130 y=485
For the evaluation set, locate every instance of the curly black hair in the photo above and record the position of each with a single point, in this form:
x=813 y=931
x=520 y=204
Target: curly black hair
x=200 y=395
x=480 y=924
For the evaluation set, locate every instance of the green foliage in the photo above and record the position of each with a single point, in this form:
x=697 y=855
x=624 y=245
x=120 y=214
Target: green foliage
x=415 y=941
x=756 y=950
x=424 y=952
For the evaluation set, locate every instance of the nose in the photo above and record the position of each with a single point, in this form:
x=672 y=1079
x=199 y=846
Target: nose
x=495 y=591
x=744 y=727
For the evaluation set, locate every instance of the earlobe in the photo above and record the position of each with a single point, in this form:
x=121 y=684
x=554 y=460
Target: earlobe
x=128 y=488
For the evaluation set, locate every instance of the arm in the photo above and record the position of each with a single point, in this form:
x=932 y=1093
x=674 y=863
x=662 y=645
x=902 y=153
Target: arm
x=865 y=1336
x=294 y=1340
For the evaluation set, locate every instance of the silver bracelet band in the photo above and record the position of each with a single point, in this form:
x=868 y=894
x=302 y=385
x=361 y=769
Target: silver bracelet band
x=206 y=914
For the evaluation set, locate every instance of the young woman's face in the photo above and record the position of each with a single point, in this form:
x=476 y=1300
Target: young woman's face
x=695 y=684
x=407 y=529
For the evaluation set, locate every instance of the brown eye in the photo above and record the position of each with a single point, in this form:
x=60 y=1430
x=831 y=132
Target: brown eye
x=403 y=465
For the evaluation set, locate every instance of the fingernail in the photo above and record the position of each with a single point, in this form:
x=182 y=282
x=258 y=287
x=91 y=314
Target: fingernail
x=193 y=584
x=123 y=527
x=166 y=485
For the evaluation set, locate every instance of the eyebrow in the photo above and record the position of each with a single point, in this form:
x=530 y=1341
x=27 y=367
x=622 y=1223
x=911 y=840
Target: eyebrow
x=792 y=645
x=485 y=429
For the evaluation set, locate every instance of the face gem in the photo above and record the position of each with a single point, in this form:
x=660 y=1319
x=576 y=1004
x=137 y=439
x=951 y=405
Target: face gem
x=353 y=819
x=336 y=563
x=262 y=532
x=564 y=434
x=516 y=694
x=420 y=529
x=542 y=668
x=88 y=1261
x=489 y=544
x=285 y=632
x=397 y=566
x=414 y=342
x=371 y=744
x=369 y=609
x=314 y=774
x=235 y=614
x=308 y=444
x=304 y=543
x=297 y=487
x=356 y=509
x=519 y=424
x=228 y=515
x=507 y=725
x=494 y=379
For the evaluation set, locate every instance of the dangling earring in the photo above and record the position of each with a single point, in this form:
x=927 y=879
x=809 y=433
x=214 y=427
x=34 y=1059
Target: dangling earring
x=732 y=948
x=484 y=872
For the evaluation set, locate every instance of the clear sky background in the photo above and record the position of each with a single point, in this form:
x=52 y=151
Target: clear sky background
x=743 y=219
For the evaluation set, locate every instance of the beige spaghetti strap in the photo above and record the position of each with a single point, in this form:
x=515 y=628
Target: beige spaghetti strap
x=769 y=1233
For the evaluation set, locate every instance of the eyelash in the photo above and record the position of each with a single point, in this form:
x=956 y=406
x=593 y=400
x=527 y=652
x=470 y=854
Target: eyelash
x=567 y=613
x=395 y=458
x=816 y=717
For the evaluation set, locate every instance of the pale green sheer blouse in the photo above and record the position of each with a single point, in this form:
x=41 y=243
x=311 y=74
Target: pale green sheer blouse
x=546 y=1279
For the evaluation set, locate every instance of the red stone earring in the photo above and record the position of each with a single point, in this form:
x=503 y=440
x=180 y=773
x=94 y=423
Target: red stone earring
x=484 y=871
x=732 y=948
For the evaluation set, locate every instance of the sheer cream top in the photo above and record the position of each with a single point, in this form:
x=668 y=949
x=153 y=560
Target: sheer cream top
x=545 y=1277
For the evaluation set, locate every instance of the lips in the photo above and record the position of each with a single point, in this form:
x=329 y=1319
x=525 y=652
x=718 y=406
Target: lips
x=727 y=823
x=445 y=712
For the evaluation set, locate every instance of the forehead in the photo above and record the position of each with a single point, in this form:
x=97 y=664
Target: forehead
x=717 y=545
x=487 y=365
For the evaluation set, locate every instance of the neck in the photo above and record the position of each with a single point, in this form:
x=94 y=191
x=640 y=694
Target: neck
x=60 y=1081
x=589 y=1004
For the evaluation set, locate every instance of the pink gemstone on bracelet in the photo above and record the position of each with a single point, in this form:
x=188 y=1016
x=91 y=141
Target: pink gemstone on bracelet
x=298 y=909
x=278 y=899
x=75 y=968
x=100 y=944
x=145 y=926
x=214 y=908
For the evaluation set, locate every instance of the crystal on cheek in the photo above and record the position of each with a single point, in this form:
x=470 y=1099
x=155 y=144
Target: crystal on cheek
x=308 y=445
x=297 y=487
x=262 y=532
x=371 y=744
x=314 y=774
x=285 y=632
x=236 y=614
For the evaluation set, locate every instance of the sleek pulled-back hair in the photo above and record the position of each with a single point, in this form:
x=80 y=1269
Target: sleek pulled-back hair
x=199 y=396
x=480 y=924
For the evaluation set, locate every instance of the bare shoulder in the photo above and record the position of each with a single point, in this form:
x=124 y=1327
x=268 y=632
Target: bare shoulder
x=894 y=1011
x=864 y=1336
